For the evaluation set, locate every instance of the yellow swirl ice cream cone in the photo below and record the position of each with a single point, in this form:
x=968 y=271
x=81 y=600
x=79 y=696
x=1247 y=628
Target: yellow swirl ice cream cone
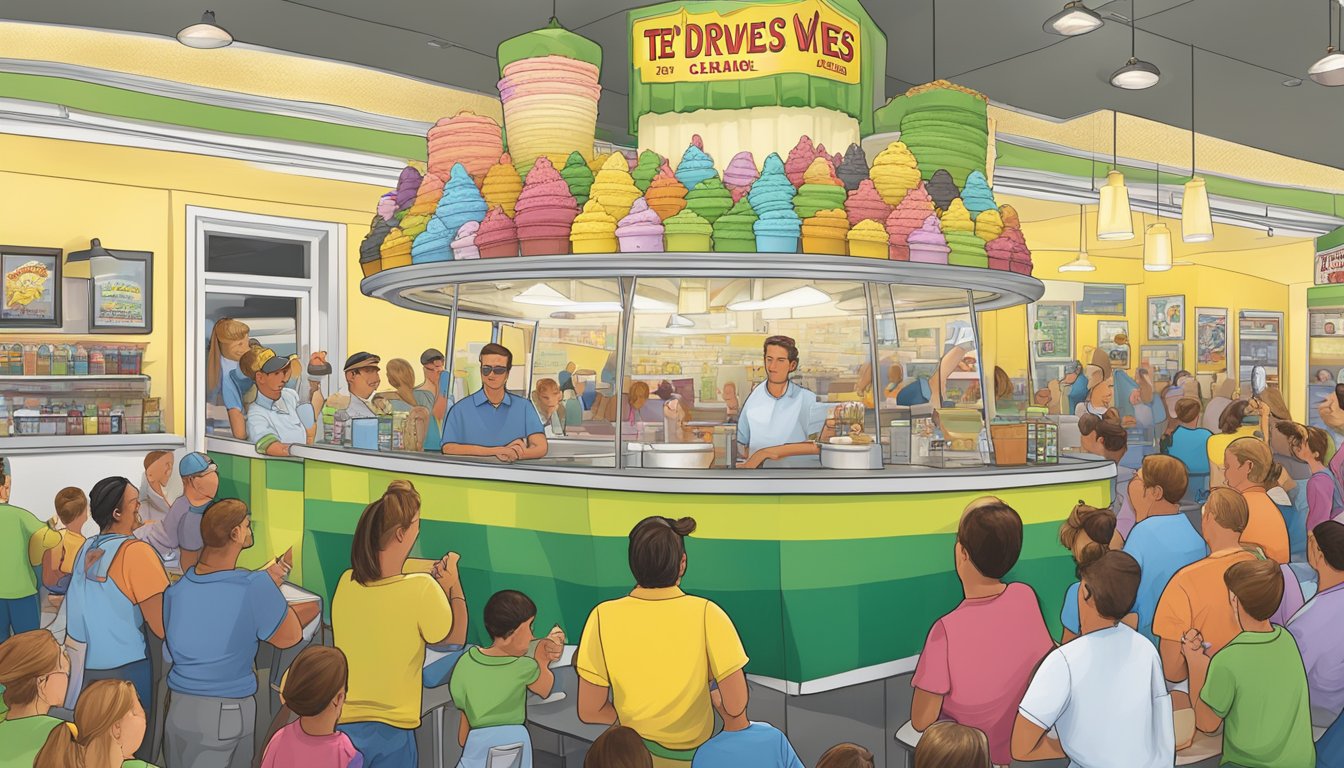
x=895 y=172
x=868 y=239
x=613 y=187
x=593 y=230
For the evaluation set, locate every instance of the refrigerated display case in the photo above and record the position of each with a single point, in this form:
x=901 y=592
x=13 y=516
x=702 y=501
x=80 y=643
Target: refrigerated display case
x=1259 y=342
x=1325 y=346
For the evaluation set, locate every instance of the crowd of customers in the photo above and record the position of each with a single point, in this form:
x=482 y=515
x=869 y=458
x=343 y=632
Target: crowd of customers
x=1191 y=613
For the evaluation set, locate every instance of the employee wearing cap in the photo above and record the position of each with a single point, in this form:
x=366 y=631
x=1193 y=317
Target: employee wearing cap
x=361 y=381
x=433 y=395
x=493 y=422
x=276 y=419
x=178 y=538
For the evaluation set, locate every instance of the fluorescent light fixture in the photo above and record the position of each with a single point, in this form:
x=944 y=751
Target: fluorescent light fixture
x=1114 y=221
x=1136 y=75
x=1075 y=19
x=807 y=296
x=1082 y=263
x=1330 y=69
x=680 y=321
x=1196 y=221
x=205 y=35
x=1157 y=248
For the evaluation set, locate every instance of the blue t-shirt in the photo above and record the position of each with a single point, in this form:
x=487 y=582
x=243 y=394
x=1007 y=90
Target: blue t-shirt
x=475 y=421
x=759 y=745
x=1068 y=615
x=1191 y=446
x=213 y=624
x=916 y=392
x=1162 y=545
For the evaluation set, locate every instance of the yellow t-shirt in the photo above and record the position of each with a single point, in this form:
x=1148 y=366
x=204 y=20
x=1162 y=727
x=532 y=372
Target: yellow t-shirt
x=383 y=628
x=1219 y=442
x=43 y=539
x=71 y=541
x=657 y=650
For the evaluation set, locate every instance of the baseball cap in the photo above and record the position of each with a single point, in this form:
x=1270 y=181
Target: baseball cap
x=361 y=359
x=429 y=356
x=271 y=362
x=194 y=463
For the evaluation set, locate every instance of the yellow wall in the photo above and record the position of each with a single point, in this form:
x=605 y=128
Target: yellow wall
x=59 y=194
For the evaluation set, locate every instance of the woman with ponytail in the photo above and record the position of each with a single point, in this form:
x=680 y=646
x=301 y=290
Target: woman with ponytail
x=35 y=673
x=1089 y=533
x=1250 y=470
x=223 y=381
x=656 y=648
x=383 y=619
x=109 y=726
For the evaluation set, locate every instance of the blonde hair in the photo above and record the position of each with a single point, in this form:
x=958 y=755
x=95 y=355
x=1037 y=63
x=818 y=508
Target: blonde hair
x=102 y=705
x=638 y=395
x=24 y=658
x=401 y=376
x=1228 y=508
x=950 y=745
x=226 y=330
x=1264 y=471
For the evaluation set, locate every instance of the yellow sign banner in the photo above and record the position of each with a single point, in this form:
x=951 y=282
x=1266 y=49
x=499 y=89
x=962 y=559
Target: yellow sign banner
x=807 y=38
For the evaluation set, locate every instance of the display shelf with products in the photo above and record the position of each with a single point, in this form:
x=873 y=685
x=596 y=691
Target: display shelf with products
x=62 y=406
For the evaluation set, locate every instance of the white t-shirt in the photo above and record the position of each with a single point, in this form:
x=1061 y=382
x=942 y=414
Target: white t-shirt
x=1105 y=696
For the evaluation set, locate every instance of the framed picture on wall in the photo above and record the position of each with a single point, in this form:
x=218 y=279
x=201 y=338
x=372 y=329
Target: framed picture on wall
x=1163 y=361
x=1113 y=339
x=1102 y=299
x=1211 y=340
x=121 y=293
x=1052 y=332
x=1166 y=318
x=30 y=287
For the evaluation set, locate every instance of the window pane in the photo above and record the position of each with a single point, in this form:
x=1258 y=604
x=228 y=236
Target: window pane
x=271 y=321
x=255 y=256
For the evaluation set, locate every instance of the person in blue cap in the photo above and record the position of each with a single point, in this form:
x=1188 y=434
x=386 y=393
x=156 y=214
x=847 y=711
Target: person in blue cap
x=276 y=419
x=177 y=538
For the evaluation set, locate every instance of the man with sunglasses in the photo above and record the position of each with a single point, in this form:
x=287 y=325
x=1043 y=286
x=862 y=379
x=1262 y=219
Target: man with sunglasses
x=492 y=422
x=362 y=380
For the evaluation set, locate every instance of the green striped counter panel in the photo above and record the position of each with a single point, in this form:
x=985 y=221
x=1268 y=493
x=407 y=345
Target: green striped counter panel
x=834 y=587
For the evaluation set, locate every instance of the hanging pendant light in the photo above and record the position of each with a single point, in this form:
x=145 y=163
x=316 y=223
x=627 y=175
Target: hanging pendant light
x=1075 y=19
x=1196 y=219
x=1330 y=69
x=205 y=35
x=1136 y=74
x=1114 y=221
x=1157 y=238
x=1083 y=263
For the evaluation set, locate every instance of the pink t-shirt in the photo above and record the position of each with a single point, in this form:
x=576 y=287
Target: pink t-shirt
x=980 y=658
x=290 y=746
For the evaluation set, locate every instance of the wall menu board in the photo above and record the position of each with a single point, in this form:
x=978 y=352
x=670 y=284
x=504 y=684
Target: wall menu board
x=1102 y=299
x=1053 y=331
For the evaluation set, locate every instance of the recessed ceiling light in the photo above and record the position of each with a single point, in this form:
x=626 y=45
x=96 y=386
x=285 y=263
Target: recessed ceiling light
x=439 y=44
x=206 y=34
x=1293 y=82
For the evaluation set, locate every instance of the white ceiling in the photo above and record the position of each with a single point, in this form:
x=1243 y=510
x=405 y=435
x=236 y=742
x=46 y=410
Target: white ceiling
x=1247 y=49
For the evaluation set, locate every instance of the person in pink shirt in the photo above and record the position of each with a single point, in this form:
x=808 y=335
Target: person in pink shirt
x=314 y=689
x=1325 y=497
x=978 y=659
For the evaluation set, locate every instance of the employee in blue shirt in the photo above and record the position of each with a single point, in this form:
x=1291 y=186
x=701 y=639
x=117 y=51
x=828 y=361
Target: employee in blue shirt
x=780 y=419
x=493 y=422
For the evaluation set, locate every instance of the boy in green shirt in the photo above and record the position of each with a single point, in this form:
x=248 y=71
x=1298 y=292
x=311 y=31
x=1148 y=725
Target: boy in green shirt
x=490 y=685
x=24 y=540
x=1256 y=685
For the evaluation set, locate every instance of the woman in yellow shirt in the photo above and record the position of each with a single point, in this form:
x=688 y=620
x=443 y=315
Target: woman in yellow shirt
x=383 y=619
x=655 y=651
x=1230 y=428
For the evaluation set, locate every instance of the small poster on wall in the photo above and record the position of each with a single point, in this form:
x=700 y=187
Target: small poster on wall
x=1053 y=332
x=1210 y=340
x=1113 y=339
x=1330 y=266
x=30 y=287
x=1166 y=318
x=121 y=296
x=1102 y=299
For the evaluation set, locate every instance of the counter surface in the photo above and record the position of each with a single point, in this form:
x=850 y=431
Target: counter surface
x=889 y=479
x=19 y=445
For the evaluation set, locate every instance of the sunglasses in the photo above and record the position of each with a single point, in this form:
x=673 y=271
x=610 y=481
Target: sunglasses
x=498 y=370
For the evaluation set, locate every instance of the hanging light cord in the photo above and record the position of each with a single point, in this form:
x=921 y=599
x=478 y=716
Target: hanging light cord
x=1133 y=20
x=1082 y=227
x=1192 y=111
x=1115 y=139
x=1158 y=181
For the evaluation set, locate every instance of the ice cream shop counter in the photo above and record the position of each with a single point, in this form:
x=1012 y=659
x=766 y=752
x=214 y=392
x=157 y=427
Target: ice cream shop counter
x=652 y=360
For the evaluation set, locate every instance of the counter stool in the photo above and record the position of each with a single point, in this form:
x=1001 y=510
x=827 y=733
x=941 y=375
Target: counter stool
x=434 y=705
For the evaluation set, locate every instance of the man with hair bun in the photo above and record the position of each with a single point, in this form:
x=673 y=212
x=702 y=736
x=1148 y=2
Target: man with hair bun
x=1255 y=687
x=1102 y=693
x=215 y=617
x=1318 y=627
x=978 y=659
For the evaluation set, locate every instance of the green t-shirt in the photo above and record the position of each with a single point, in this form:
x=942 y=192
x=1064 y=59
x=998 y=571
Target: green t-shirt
x=1258 y=686
x=23 y=739
x=492 y=690
x=17 y=527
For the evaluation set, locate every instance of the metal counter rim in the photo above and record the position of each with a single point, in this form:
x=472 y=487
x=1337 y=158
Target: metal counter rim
x=28 y=445
x=814 y=482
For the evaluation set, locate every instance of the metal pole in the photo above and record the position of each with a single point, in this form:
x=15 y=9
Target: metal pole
x=874 y=377
x=622 y=343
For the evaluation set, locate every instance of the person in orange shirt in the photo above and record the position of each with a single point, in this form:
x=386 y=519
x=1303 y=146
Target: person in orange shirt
x=1196 y=597
x=1250 y=469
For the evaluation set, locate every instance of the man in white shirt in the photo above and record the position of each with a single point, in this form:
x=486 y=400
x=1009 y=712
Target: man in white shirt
x=276 y=419
x=780 y=419
x=361 y=381
x=1103 y=693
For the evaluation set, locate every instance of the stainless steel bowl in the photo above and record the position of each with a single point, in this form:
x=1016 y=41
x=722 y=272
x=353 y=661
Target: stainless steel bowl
x=678 y=455
x=861 y=456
